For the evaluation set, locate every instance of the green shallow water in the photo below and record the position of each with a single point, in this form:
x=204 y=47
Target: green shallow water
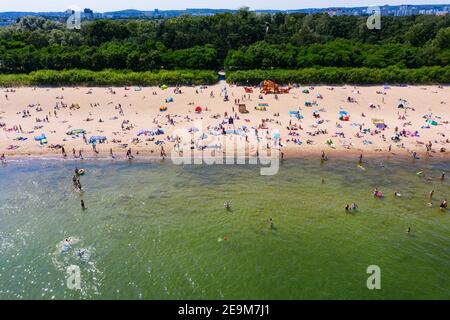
x=152 y=231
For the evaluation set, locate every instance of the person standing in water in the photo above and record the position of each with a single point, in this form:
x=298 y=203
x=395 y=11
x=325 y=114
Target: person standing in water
x=83 y=207
x=444 y=204
x=430 y=197
x=360 y=159
x=3 y=158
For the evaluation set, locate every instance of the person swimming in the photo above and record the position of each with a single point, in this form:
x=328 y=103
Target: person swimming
x=442 y=176
x=377 y=193
x=227 y=205
x=397 y=195
x=81 y=253
x=408 y=231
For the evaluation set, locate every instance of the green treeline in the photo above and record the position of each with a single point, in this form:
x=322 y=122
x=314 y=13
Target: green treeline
x=236 y=42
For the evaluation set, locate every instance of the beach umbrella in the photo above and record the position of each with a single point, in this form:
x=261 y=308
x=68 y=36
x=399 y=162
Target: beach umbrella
x=198 y=109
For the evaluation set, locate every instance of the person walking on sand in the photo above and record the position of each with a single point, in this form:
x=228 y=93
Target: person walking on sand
x=129 y=154
x=111 y=153
x=63 y=151
x=3 y=158
x=360 y=159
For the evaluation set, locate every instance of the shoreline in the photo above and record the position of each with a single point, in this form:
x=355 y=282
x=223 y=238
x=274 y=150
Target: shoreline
x=288 y=155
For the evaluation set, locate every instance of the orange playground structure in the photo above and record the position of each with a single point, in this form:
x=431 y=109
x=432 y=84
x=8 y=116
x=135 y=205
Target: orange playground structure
x=269 y=86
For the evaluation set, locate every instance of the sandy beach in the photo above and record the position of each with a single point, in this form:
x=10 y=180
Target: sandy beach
x=368 y=119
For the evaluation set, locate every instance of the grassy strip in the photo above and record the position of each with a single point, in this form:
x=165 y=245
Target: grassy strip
x=424 y=75
x=108 y=78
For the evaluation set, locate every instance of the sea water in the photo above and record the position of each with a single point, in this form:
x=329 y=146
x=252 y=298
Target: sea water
x=155 y=230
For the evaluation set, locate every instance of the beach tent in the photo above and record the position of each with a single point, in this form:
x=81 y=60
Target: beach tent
x=379 y=123
x=194 y=129
x=164 y=87
x=262 y=106
x=344 y=115
x=305 y=91
x=296 y=114
x=40 y=138
x=432 y=122
x=170 y=99
x=198 y=109
x=308 y=104
x=95 y=139
x=163 y=108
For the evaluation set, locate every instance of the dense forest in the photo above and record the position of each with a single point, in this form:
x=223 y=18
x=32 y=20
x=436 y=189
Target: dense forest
x=236 y=42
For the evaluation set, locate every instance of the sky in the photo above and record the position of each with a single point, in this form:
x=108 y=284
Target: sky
x=113 y=5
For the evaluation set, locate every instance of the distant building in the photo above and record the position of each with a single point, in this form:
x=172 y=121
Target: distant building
x=88 y=13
